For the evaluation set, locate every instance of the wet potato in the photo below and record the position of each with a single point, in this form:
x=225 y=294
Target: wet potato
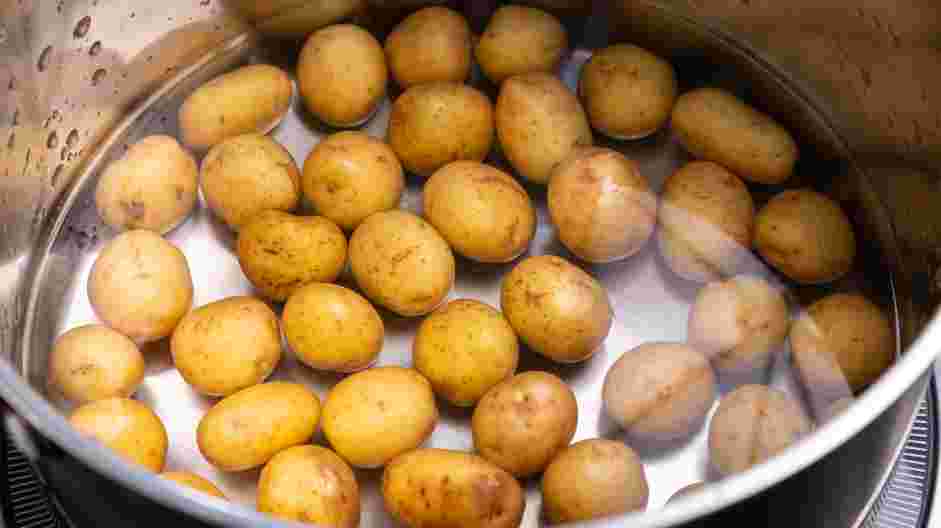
x=519 y=40
x=432 y=44
x=127 y=427
x=94 y=362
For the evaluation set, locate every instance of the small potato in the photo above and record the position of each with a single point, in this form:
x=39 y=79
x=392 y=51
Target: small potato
x=153 y=186
x=659 y=391
x=591 y=479
x=628 y=92
x=330 y=327
x=342 y=75
x=246 y=429
x=714 y=125
x=432 y=44
x=706 y=220
x=806 y=236
x=310 y=484
x=280 y=252
x=140 y=285
x=539 y=122
x=351 y=175
x=686 y=491
x=193 y=481
x=440 y=488
x=127 y=427
x=520 y=40
x=433 y=124
x=401 y=262
x=739 y=324
x=523 y=422
x=288 y=19
x=94 y=362
x=752 y=424
x=480 y=210
x=602 y=206
x=251 y=99
x=377 y=414
x=226 y=346
x=245 y=175
x=556 y=308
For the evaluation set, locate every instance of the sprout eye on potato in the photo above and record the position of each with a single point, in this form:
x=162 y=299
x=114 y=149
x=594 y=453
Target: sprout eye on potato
x=432 y=44
x=520 y=40
x=127 y=427
x=94 y=362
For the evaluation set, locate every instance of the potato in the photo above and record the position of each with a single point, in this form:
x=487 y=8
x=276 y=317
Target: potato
x=481 y=211
x=246 y=429
x=351 y=175
x=450 y=489
x=602 y=206
x=714 y=125
x=288 y=19
x=280 y=252
x=228 y=345
x=835 y=409
x=140 y=285
x=628 y=92
x=435 y=123
x=309 y=484
x=706 y=220
x=330 y=327
x=401 y=262
x=539 y=122
x=153 y=186
x=246 y=175
x=686 y=491
x=593 y=478
x=94 y=362
x=806 y=236
x=523 y=422
x=556 y=308
x=432 y=44
x=377 y=414
x=752 y=424
x=659 y=391
x=193 y=481
x=520 y=40
x=342 y=75
x=251 y=99
x=739 y=324
x=127 y=427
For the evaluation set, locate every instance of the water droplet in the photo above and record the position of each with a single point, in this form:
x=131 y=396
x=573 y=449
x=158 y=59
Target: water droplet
x=95 y=48
x=11 y=142
x=16 y=117
x=12 y=85
x=81 y=29
x=44 y=58
x=204 y=3
x=53 y=140
x=133 y=14
x=98 y=76
x=57 y=115
x=72 y=140
x=57 y=174
x=63 y=154
x=3 y=34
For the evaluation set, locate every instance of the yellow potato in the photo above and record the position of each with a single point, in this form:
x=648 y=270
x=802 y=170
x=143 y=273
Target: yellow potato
x=246 y=429
x=432 y=44
x=94 y=362
x=246 y=175
x=464 y=348
x=127 y=427
x=377 y=414
x=480 y=210
x=153 y=186
x=280 y=252
x=193 y=481
x=539 y=122
x=686 y=491
x=401 y=262
x=251 y=99
x=342 y=74
x=351 y=175
x=520 y=40
x=433 y=124
x=714 y=125
x=310 y=484
x=290 y=19
x=140 y=285
x=450 y=489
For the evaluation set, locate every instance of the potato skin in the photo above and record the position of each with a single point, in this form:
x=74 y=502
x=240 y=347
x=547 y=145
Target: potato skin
x=246 y=429
x=290 y=20
x=685 y=491
x=310 y=484
x=441 y=488
x=523 y=422
x=251 y=99
x=481 y=211
x=539 y=121
x=520 y=40
x=593 y=478
x=94 y=362
x=392 y=247
x=714 y=125
x=602 y=206
x=127 y=427
x=556 y=308
x=431 y=44
x=435 y=123
x=280 y=252
x=194 y=481
x=806 y=236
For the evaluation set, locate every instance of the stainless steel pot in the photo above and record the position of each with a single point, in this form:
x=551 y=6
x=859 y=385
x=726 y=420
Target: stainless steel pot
x=857 y=81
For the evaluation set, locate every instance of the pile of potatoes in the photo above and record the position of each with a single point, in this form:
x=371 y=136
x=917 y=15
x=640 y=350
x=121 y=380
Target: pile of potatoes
x=465 y=352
